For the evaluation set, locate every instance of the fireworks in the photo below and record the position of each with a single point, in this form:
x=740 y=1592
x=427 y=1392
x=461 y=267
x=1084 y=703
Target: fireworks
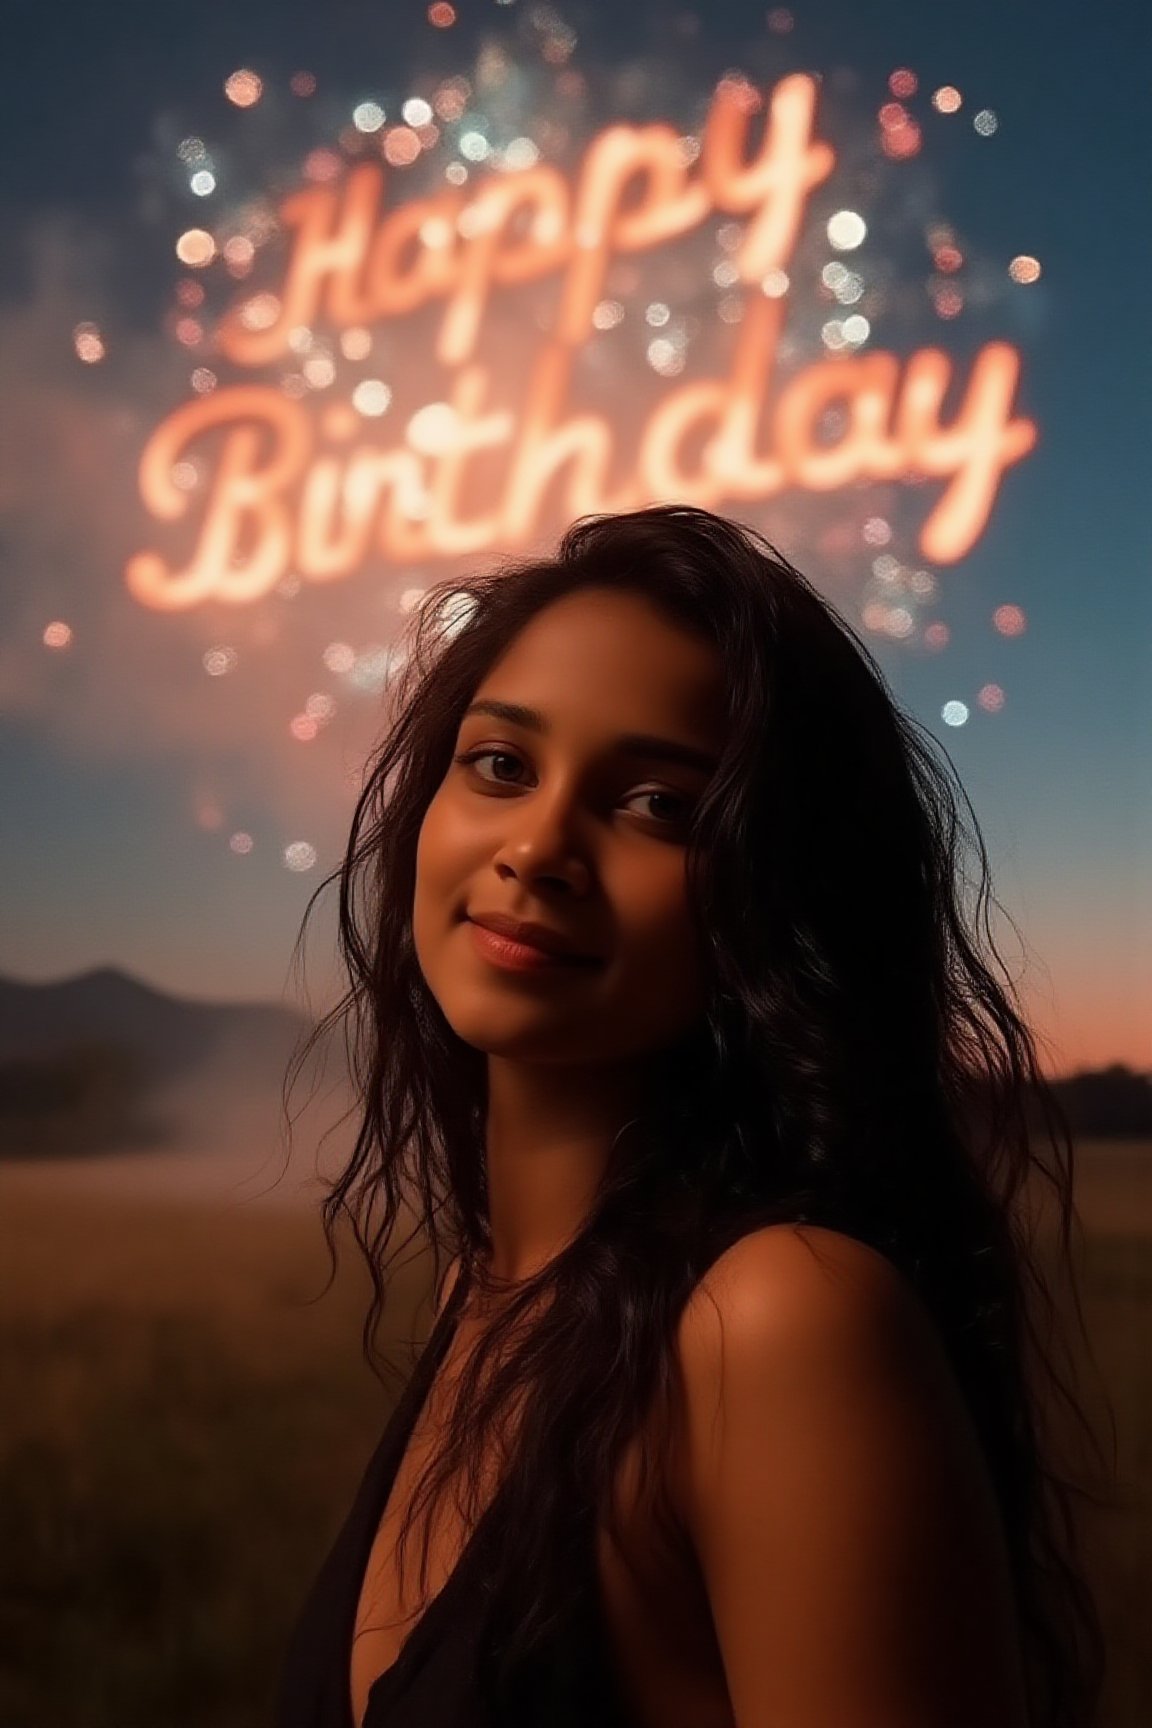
x=479 y=304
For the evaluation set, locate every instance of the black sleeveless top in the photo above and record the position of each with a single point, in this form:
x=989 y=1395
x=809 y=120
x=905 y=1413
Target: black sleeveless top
x=431 y=1684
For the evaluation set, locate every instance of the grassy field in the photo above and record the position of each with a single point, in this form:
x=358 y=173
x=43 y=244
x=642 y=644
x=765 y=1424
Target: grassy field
x=182 y=1434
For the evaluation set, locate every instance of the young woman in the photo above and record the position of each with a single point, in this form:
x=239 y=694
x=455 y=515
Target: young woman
x=672 y=1027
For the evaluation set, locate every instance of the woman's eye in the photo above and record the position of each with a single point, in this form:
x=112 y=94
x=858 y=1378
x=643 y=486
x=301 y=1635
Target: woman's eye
x=470 y=757
x=679 y=814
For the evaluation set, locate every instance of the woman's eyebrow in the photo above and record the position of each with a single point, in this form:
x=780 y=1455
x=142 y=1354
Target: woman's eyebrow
x=639 y=744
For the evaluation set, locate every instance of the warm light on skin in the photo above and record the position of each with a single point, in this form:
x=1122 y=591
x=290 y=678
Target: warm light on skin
x=571 y=839
x=289 y=492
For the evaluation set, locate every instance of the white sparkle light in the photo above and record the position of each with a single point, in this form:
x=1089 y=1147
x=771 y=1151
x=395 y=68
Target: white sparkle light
x=846 y=230
x=368 y=117
x=371 y=397
x=521 y=153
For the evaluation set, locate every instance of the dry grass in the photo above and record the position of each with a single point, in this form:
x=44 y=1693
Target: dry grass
x=182 y=1437
x=183 y=1433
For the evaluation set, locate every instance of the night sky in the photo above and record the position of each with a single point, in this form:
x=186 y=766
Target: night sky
x=151 y=804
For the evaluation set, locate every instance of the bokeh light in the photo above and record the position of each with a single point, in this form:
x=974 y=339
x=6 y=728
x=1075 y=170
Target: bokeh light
x=239 y=254
x=401 y=146
x=319 y=371
x=356 y=343
x=243 y=88
x=1010 y=620
x=433 y=428
x=607 y=314
x=368 y=117
x=196 y=247
x=948 y=302
x=846 y=230
x=88 y=343
x=371 y=397
x=473 y=145
x=901 y=142
x=520 y=153
x=261 y=312
x=664 y=357
x=321 y=166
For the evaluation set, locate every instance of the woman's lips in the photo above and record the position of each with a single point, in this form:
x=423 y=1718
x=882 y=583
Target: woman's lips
x=520 y=957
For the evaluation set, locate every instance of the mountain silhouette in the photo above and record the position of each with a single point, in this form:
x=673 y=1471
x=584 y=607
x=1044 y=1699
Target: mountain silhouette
x=170 y=1034
x=88 y=1064
x=85 y=1062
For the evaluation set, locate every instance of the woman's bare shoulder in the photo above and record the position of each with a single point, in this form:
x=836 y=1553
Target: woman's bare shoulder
x=836 y=1497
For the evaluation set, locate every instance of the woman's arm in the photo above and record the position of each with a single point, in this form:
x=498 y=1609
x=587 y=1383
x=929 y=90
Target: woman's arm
x=837 y=1498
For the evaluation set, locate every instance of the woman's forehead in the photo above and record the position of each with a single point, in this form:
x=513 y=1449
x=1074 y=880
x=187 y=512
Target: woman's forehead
x=616 y=651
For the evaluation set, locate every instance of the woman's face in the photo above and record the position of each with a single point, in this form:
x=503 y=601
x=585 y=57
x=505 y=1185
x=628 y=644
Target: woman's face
x=573 y=828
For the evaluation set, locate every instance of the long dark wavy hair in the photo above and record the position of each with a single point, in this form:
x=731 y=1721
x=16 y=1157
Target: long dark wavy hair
x=858 y=1066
